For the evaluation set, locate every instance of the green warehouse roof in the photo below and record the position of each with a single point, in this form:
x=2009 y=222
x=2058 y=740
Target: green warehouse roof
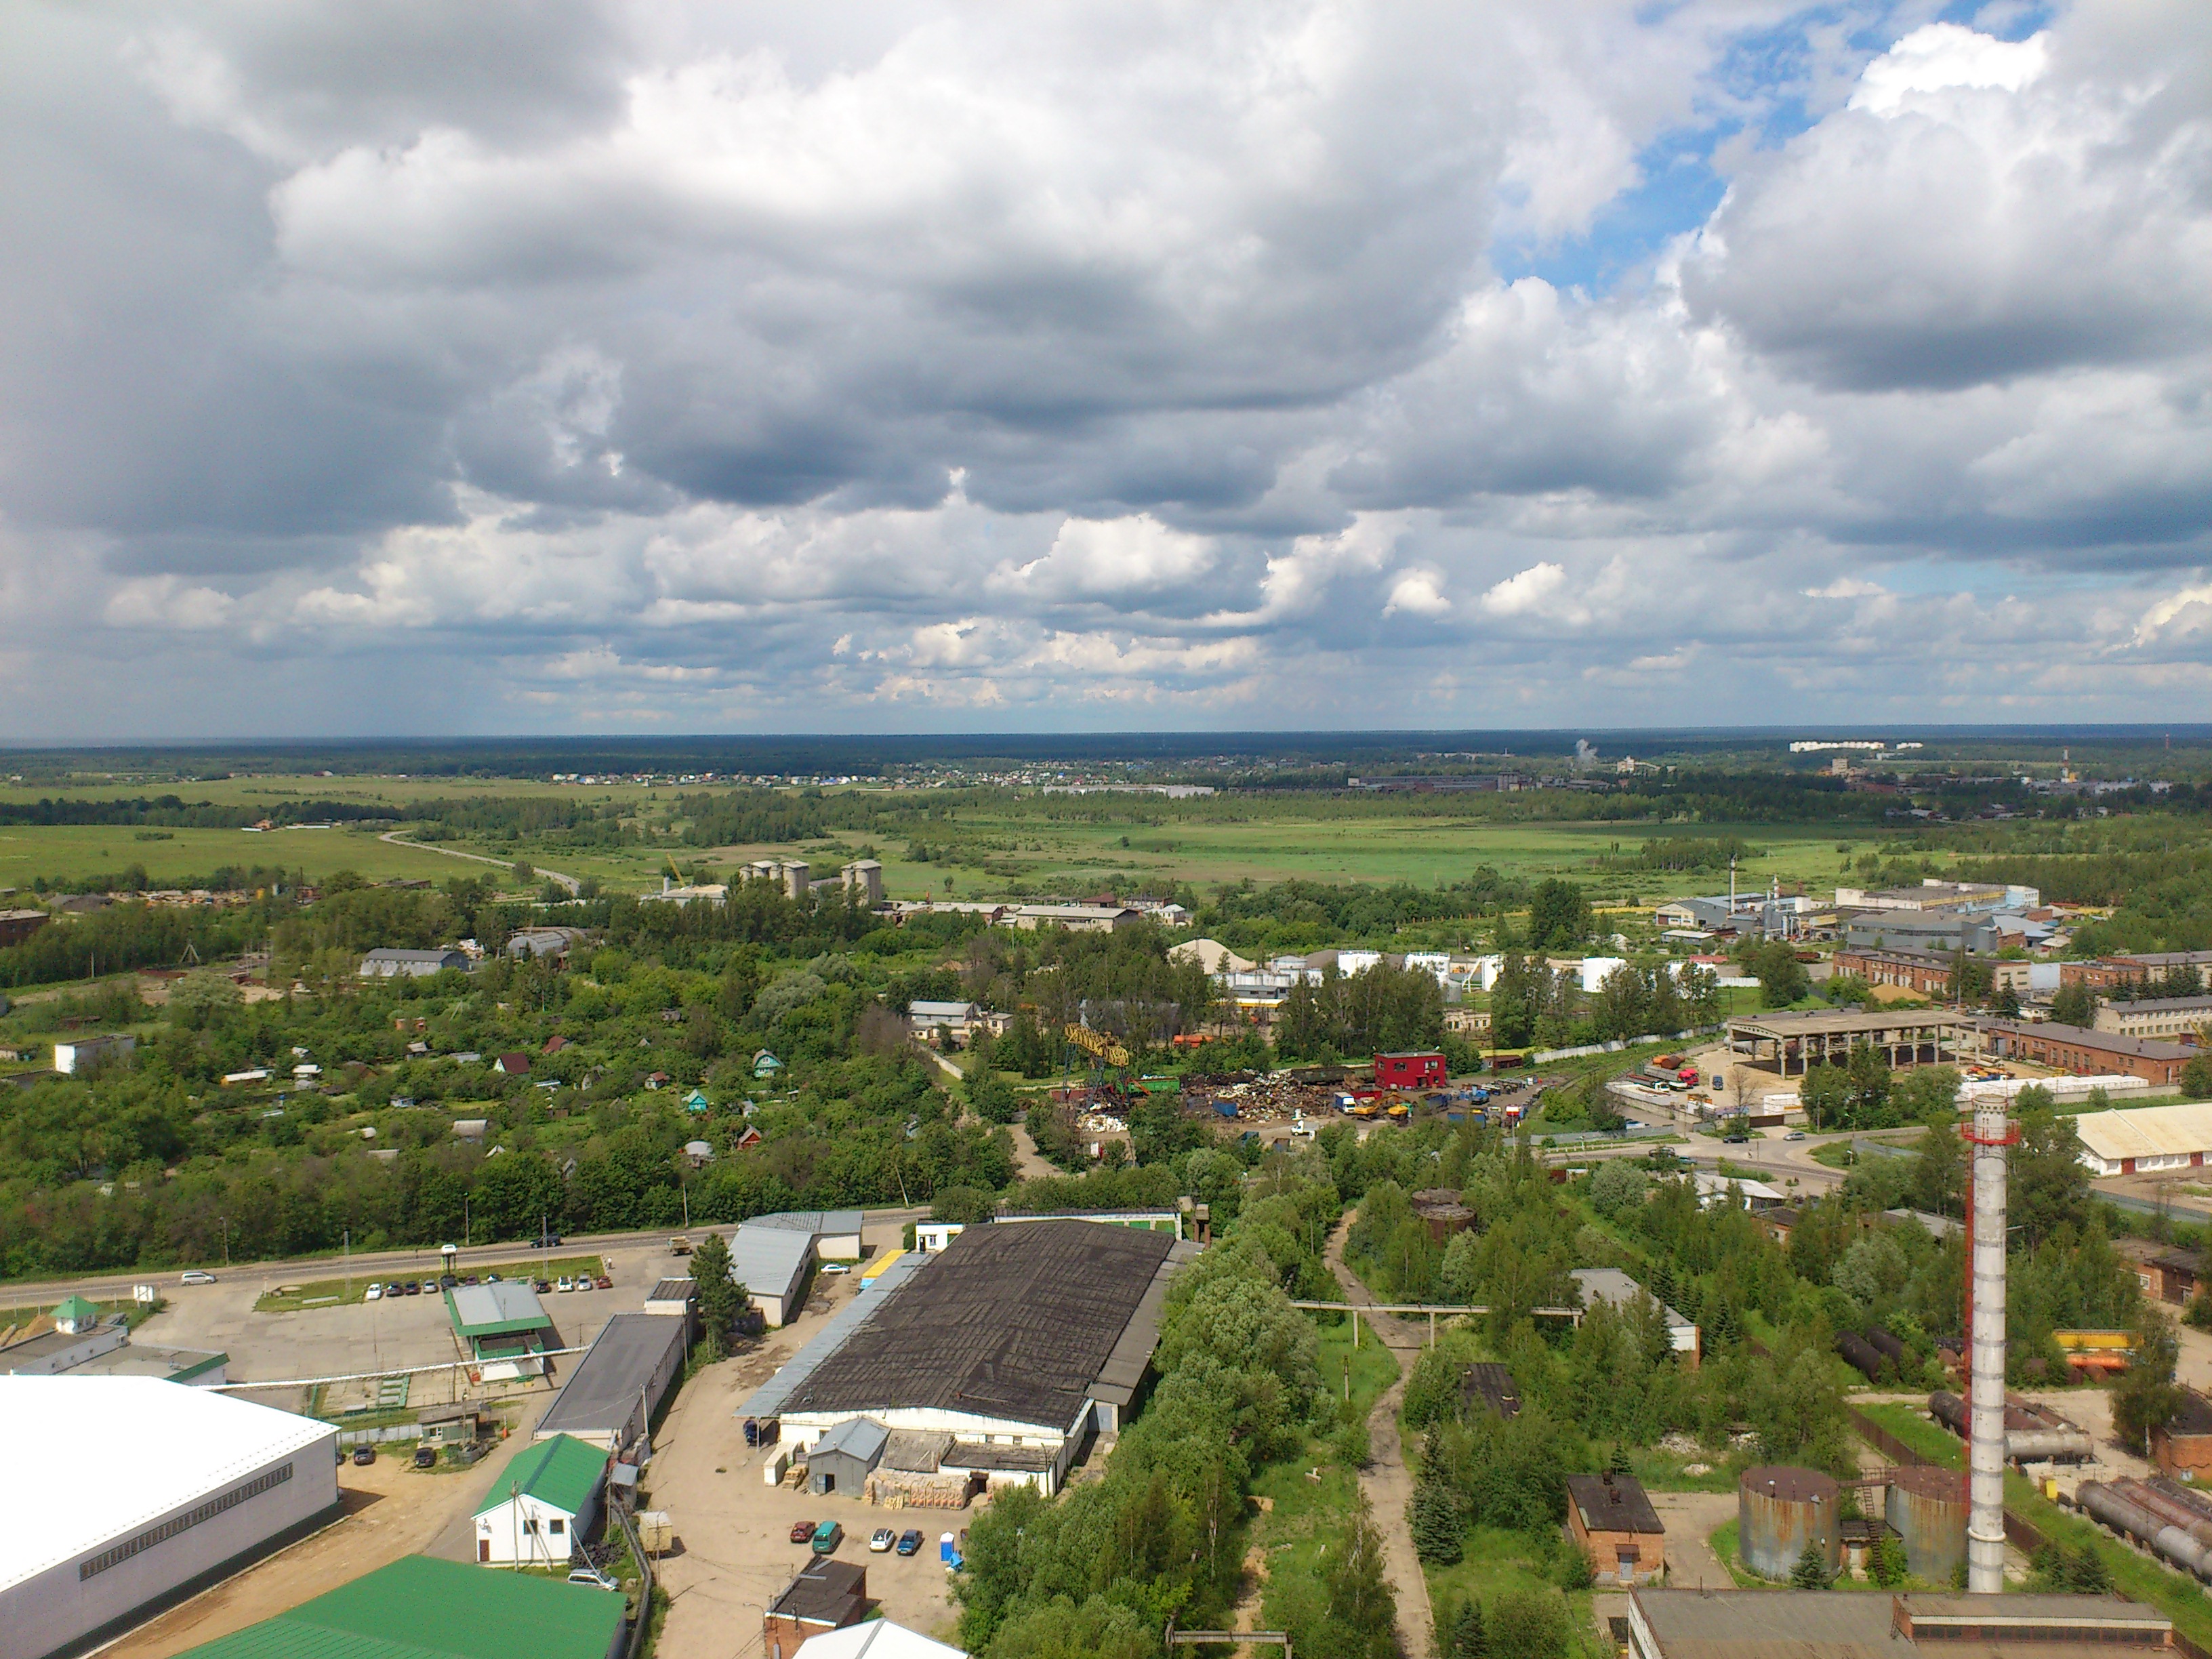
x=76 y=1308
x=419 y=1608
x=563 y=1471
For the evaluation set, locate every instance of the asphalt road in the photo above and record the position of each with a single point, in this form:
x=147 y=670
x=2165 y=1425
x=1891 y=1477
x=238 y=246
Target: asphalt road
x=410 y=1263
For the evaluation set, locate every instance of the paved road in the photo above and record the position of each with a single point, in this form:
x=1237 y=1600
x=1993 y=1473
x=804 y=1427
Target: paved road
x=1387 y=1482
x=411 y=1263
x=399 y=838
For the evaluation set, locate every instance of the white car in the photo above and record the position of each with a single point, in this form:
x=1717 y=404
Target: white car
x=194 y=1276
x=373 y=1294
x=881 y=1540
x=565 y=1284
x=836 y=1267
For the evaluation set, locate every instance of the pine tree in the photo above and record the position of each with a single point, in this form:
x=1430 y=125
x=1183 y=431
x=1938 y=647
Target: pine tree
x=1467 y=1639
x=1811 y=1571
x=1438 y=1530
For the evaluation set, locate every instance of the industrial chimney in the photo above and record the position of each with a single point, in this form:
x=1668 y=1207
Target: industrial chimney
x=1986 y=1343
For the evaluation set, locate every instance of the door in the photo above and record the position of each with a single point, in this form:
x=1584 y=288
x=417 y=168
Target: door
x=1625 y=1562
x=484 y=1549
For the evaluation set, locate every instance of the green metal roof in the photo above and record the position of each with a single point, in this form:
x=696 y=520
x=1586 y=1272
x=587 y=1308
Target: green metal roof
x=563 y=1471
x=419 y=1608
x=75 y=1307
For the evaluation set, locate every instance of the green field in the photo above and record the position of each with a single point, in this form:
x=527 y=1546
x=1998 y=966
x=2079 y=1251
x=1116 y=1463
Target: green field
x=1005 y=846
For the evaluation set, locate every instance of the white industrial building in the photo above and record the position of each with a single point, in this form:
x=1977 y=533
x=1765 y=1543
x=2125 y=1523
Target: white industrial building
x=543 y=1504
x=1616 y=1289
x=2130 y=1139
x=877 y=1638
x=993 y=1360
x=836 y=1233
x=125 y=1491
x=773 y=1264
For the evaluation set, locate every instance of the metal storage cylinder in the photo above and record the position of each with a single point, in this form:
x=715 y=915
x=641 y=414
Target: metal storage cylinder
x=1885 y=1343
x=1778 y=1509
x=1928 y=1507
x=1860 y=1354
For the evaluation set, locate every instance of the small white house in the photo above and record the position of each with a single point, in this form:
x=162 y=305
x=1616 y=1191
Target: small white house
x=544 y=1505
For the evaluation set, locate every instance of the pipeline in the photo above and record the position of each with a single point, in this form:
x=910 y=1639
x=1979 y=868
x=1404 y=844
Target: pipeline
x=1948 y=1410
x=2191 y=1498
x=1889 y=1345
x=2131 y=1520
x=2042 y=1444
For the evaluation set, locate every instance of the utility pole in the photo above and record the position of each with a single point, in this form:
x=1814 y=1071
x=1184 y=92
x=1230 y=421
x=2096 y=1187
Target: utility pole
x=347 y=1248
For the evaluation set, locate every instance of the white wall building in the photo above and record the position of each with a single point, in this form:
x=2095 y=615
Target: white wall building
x=123 y=1490
x=545 y=1502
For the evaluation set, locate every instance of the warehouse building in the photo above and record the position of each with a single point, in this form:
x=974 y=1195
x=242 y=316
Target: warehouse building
x=609 y=1399
x=1011 y=1346
x=504 y=1326
x=2084 y=1051
x=2137 y=1140
x=129 y=1491
x=773 y=1264
x=1616 y=1289
x=544 y=1504
x=421 y=1608
x=836 y=1233
x=879 y=1638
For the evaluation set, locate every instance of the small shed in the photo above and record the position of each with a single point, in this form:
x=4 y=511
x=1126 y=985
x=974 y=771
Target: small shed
x=516 y=1064
x=672 y=1296
x=544 y=1504
x=842 y=1459
x=699 y=1153
x=448 y=1426
x=1613 y=1520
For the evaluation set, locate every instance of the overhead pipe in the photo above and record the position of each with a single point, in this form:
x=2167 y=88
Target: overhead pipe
x=2193 y=1521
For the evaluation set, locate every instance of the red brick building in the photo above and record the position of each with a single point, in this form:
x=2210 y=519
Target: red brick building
x=1613 y=1523
x=1924 y=973
x=2085 y=1052
x=2102 y=973
x=828 y=1595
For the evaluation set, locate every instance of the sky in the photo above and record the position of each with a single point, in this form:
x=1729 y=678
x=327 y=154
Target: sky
x=564 y=367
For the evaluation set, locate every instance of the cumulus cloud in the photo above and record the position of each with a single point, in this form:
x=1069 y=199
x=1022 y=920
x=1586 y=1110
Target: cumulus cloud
x=1044 y=365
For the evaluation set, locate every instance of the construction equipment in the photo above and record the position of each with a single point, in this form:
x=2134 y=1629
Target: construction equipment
x=1099 y=1045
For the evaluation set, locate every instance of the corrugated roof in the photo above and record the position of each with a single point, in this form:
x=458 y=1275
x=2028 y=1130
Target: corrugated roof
x=498 y=1309
x=861 y=1437
x=421 y=1608
x=1014 y=1323
x=768 y=1398
x=601 y=1394
x=2147 y=1131
x=564 y=1471
x=812 y=1221
x=769 y=1260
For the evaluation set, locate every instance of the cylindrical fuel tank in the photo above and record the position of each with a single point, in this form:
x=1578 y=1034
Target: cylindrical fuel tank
x=1888 y=1345
x=1779 y=1509
x=1860 y=1354
x=1928 y=1507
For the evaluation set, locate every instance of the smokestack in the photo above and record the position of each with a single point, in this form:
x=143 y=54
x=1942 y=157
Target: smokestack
x=1985 y=1345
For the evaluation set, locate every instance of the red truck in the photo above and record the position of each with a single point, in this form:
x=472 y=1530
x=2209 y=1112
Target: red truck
x=1409 y=1070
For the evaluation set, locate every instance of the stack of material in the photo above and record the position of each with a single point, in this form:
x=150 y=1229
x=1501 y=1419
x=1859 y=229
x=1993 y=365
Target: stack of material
x=905 y=1489
x=913 y=1453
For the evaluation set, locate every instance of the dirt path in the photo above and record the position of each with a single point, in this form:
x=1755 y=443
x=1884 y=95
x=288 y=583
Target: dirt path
x=399 y=838
x=1690 y=1518
x=1387 y=1482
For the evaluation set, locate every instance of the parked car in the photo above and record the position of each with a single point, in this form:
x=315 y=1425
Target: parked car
x=468 y=1278
x=836 y=1267
x=909 y=1542
x=426 y=1457
x=543 y=1287
x=364 y=1455
x=194 y=1276
x=881 y=1540
x=448 y=1281
x=489 y=1278
x=414 y=1287
x=373 y=1294
x=827 y=1537
x=1795 y=1135
x=395 y=1288
x=604 y=1283
x=588 y=1574
x=802 y=1532
x=566 y=1283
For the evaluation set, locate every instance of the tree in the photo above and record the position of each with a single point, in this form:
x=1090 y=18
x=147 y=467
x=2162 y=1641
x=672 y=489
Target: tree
x=1825 y=1091
x=1886 y=1562
x=1617 y=1189
x=1558 y=915
x=1437 y=1522
x=523 y=873
x=2074 y=1005
x=2005 y=1004
x=2145 y=1397
x=1811 y=1571
x=2197 y=1077
x=2049 y=1184
x=1361 y=1610
x=720 y=1297
x=1782 y=978
x=1463 y=1636
x=1528 y=1623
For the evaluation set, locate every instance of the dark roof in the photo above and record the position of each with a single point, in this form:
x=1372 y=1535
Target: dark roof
x=1008 y=1323
x=2175 y=1261
x=1789 y=1483
x=1493 y=1384
x=1613 y=1502
x=2194 y=1417
x=826 y=1592
x=601 y=1394
x=2080 y=1037
x=1688 y=1624
x=673 y=1290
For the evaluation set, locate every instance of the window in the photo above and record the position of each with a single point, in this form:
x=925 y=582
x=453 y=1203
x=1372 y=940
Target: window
x=191 y=1518
x=529 y=1524
x=556 y=1527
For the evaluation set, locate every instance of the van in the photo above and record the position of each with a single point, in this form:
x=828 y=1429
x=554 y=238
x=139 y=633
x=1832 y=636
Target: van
x=827 y=1537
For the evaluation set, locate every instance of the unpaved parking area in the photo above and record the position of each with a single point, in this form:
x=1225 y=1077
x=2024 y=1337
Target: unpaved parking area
x=1690 y=1518
x=734 y=1552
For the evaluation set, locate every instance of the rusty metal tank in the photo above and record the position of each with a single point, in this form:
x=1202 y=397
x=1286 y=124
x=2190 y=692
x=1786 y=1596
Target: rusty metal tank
x=1927 y=1506
x=1779 y=1510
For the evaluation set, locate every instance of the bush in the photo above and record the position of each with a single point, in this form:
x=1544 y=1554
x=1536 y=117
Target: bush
x=1437 y=1522
x=1527 y=1624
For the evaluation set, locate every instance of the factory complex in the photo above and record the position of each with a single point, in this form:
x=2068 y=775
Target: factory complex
x=993 y=1360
